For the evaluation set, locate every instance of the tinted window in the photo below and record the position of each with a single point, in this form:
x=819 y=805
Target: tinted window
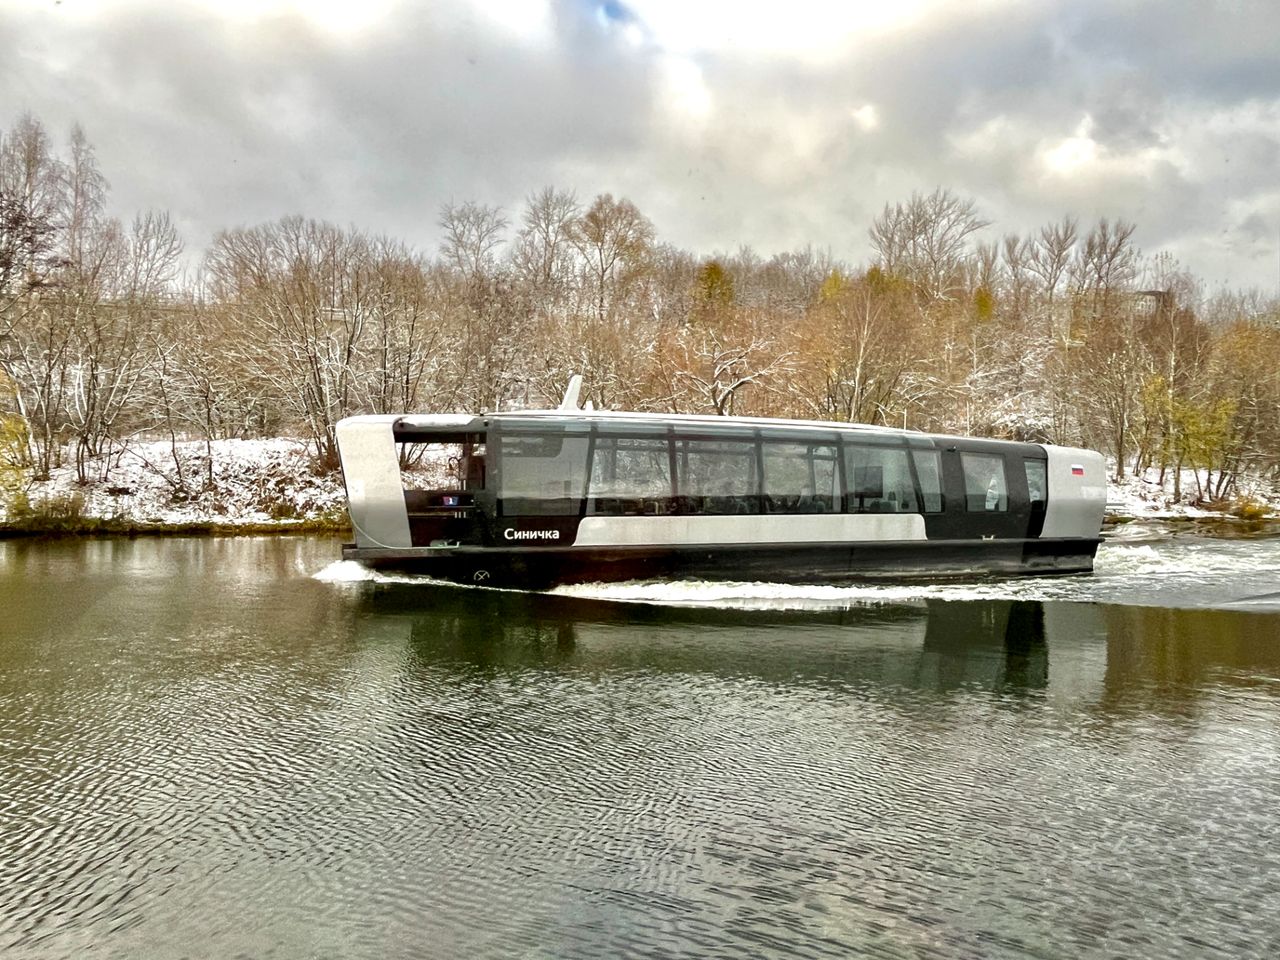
x=1037 y=486
x=800 y=478
x=630 y=476
x=717 y=476
x=984 y=482
x=544 y=471
x=879 y=480
x=929 y=473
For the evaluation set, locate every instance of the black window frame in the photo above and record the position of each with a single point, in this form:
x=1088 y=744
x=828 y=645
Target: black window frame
x=914 y=451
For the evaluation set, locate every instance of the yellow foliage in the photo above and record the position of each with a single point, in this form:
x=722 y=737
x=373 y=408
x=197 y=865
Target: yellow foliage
x=13 y=451
x=714 y=286
x=883 y=284
x=1249 y=508
x=832 y=286
x=1203 y=429
x=984 y=304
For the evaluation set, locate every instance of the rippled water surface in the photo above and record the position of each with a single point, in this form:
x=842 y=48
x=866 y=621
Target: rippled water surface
x=241 y=748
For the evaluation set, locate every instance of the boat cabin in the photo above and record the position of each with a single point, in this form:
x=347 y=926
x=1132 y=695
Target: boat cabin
x=606 y=487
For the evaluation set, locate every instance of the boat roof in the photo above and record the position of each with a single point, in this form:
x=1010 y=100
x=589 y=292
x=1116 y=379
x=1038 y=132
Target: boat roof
x=426 y=421
x=462 y=423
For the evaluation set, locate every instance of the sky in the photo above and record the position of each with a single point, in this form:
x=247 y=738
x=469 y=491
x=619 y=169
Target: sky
x=727 y=122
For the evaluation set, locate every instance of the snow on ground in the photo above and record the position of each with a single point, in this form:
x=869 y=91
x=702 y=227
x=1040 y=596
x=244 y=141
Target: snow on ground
x=1146 y=497
x=254 y=482
x=274 y=481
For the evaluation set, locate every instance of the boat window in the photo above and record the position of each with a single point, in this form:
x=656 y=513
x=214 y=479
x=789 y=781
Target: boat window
x=929 y=473
x=630 y=476
x=717 y=476
x=800 y=477
x=985 y=489
x=879 y=480
x=1037 y=483
x=543 y=470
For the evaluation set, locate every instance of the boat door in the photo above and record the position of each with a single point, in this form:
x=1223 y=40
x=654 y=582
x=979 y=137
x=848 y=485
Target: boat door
x=986 y=493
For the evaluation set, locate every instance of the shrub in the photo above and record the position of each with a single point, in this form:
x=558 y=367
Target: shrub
x=282 y=510
x=13 y=472
x=1247 y=508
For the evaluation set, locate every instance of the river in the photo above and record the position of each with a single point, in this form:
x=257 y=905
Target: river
x=240 y=747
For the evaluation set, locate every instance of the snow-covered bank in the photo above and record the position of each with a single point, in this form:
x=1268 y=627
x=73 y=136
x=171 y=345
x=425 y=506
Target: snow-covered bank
x=255 y=484
x=273 y=484
x=1147 y=497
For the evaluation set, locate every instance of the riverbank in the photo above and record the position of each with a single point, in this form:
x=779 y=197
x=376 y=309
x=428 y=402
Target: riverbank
x=272 y=486
x=228 y=487
x=1151 y=496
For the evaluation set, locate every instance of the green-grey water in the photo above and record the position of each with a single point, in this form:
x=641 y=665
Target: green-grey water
x=208 y=751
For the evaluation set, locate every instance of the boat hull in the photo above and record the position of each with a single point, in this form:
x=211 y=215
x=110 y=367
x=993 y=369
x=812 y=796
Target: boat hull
x=543 y=567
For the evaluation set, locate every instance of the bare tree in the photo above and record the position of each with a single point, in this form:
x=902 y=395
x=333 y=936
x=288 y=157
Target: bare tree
x=300 y=293
x=473 y=233
x=406 y=344
x=62 y=356
x=1017 y=253
x=123 y=283
x=31 y=180
x=544 y=254
x=189 y=385
x=1105 y=264
x=791 y=280
x=1053 y=336
x=614 y=239
x=1051 y=254
x=926 y=240
x=31 y=187
x=669 y=285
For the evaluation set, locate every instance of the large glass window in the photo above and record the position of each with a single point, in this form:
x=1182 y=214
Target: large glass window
x=879 y=480
x=800 y=477
x=630 y=476
x=544 y=470
x=717 y=476
x=985 y=489
x=929 y=473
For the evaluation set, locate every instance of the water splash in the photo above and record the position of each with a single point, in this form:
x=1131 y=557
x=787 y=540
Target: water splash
x=1173 y=571
x=345 y=571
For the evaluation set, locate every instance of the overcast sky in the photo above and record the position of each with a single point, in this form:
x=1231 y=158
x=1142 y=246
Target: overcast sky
x=727 y=122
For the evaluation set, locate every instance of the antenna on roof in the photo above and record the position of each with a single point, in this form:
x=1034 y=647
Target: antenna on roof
x=570 y=401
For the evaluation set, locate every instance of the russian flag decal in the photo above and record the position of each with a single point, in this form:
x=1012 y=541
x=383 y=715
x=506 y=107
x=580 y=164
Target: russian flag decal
x=1077 y=470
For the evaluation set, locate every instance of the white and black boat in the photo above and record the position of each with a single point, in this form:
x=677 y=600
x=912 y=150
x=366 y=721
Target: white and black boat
x=539 y=498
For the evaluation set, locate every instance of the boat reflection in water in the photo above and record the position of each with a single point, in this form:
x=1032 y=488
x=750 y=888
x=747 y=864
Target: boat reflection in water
x=1111 y=657
x=998 y=645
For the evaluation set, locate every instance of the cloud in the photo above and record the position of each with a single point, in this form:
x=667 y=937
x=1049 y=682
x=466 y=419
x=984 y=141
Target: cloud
x=725 y=123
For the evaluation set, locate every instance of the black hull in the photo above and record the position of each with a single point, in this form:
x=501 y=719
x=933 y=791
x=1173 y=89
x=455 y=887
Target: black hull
x=539 y=568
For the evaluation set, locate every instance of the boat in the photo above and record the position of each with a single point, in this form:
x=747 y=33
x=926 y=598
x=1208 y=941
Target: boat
x=536 y=499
